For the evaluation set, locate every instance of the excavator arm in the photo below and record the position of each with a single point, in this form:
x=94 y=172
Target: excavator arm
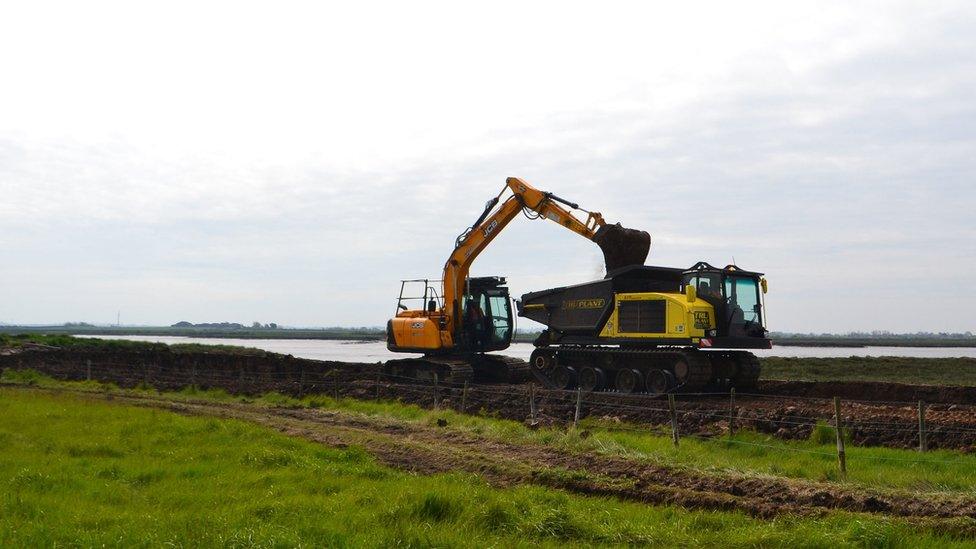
x=620 y=246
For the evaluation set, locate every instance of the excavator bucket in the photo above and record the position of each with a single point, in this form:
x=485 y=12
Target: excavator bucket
x=622 y=246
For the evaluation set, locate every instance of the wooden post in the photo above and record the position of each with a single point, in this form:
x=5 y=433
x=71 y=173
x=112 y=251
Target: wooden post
x=193 y=373
x=301 y=382
x=674 y=419
x=464 y=397
x=377 y=384
x=335 y=383
x=88 y=370
x=579 y=404
x=240 y=379
x=532 y=412
x=839 y=428
x=922 y=443
x=732 y=411
x=437 y=396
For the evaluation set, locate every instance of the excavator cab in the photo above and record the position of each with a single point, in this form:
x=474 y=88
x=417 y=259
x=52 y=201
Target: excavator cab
x=487 y=321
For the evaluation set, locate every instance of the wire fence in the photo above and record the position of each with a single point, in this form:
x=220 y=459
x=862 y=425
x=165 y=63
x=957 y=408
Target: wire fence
x=705 y=417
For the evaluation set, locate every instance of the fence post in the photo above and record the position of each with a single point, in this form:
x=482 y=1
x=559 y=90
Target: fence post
x=301 y=382
x=335 y=383
x=377 y=384
x=88 y=370
x=674 y=419
x=839 y=428
x=532 y=411
x=464 y=397
x=193 y=373
x=579 y=404
x=240 y=379
x=922 y=443
x=731 y=411
x=437 y=396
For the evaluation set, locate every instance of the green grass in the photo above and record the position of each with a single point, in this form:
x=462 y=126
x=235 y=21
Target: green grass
x=76 y=472
x=944 y=472
x=747 y=452
x=926 y=371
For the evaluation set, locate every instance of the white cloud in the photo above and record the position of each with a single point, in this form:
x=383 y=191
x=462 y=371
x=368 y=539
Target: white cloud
x=237 y=161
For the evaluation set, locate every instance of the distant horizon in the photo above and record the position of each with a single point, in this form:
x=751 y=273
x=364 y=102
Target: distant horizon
x=245 y=326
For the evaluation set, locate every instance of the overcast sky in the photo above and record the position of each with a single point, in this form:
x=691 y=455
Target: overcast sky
x=290 y=162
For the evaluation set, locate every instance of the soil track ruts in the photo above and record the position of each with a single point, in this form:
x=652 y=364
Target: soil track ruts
x=428 y=449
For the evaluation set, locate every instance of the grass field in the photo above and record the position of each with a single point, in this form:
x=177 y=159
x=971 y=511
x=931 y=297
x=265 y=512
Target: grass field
x=77 y=472
x=944 y=472
x=924 y=371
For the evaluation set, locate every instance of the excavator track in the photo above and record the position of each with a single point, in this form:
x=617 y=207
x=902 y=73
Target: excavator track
x=448 y=370
x=458 y=369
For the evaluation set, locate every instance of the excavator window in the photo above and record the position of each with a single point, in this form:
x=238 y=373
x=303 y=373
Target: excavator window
x=488 y=319
x=501 y=318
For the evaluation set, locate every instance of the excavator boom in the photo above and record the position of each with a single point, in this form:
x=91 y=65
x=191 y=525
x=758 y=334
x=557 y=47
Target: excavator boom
x=621 y=247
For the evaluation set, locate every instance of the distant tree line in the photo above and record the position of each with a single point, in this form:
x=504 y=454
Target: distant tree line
x=225 y=325
x=877 y=334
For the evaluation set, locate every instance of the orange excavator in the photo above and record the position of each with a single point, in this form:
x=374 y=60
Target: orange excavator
x=460 y=319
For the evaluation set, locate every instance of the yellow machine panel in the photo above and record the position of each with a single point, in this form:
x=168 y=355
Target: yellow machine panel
x=417 y=333
x=653 y=315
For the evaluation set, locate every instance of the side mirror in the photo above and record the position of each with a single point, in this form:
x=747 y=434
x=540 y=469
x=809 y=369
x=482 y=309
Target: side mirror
x=762 y=283
x=402 y=306
x=691 y=293
x=431 y=306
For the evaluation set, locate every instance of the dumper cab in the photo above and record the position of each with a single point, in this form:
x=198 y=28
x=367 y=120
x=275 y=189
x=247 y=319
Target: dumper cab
x=736 y=297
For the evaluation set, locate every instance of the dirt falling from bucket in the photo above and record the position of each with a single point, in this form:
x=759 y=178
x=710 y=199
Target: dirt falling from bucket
x=621 y=246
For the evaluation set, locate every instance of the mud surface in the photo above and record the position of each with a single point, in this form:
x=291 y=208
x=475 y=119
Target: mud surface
x=874 y=414
x=435 y=449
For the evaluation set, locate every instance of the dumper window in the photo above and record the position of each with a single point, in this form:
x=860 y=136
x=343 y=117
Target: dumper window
x=743 y=293
x=707 y=285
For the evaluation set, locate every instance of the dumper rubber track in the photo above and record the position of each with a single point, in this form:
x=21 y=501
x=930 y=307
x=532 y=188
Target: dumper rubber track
x=747 y=371
x=449 y=370
x=621 y=370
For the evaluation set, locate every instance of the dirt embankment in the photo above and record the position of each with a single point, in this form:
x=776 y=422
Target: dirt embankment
x=169 y=370
x=876 y=391
x=787 y=409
